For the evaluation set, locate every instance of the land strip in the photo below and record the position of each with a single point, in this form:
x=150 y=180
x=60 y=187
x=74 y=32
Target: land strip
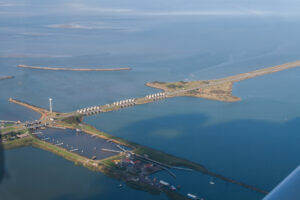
x=218 y=89
x=6 y=77
x=74 y=69
x=42 y=111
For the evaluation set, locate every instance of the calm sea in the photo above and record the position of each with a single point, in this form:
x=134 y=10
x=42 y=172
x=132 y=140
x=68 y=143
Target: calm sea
x=255 y=141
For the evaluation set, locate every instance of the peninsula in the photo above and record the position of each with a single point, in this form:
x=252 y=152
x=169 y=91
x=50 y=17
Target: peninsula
x=218 y=89
x=6 y=77
x=73 y=69
x=133 y=163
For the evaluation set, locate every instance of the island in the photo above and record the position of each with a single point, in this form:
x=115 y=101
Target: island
x=218 y=89
x=74 y=69
x=6 y=77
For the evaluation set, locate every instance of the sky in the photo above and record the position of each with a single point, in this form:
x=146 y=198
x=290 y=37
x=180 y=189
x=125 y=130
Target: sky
x=29 y=8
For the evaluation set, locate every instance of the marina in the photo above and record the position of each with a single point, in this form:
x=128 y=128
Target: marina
x=79 y=142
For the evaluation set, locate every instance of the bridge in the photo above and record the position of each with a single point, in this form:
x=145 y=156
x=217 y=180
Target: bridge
x=94 y=110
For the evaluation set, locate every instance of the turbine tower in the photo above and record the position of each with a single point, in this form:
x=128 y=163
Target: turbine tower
x=50 y=102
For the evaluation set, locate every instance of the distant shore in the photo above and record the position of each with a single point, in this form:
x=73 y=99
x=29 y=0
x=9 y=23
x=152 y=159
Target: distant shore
x=73 y=69
x=6 y=77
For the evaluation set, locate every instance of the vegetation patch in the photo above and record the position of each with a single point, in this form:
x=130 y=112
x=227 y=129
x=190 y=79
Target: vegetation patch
x=158 y=82
x=174 y=86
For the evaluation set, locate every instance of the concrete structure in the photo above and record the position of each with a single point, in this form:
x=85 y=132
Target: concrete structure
x=50 y=104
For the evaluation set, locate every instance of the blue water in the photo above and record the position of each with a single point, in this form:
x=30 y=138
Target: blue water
x=255 y=141
x=36 y=174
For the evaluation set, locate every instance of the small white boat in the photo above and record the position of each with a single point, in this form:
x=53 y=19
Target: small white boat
x=211 y=181
x=191 y=196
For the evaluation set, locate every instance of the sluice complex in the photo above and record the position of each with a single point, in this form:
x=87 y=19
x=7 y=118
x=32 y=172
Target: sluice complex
x=130 y=162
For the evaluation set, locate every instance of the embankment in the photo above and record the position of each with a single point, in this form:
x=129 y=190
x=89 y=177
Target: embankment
x=42 y=111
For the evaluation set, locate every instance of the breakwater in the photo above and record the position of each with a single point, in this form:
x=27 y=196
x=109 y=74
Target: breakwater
x=73 y=69
x=6 y=77
x=42 y=111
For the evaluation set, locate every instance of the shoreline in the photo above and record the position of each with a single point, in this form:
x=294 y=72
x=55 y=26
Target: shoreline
x=73 y=69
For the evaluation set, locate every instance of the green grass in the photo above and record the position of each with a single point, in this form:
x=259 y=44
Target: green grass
x=72 y=120
x=12 y=129
x=180 y=85
x=8 y=125
x=18 y=143
x=8 y=134
x=57 y=150
x=193 y=92
x=8 y=129
x=158 y=82
x=87 y=127
x=108 y=162
x=174 y=86
x=168 y=159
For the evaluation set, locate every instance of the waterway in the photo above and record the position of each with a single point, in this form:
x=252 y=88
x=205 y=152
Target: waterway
x=255 y=141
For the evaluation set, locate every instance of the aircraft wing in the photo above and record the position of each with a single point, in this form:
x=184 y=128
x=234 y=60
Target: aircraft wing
x=288 y=189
